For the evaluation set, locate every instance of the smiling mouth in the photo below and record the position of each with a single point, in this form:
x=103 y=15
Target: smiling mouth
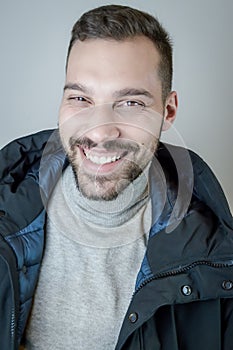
x=101 y=160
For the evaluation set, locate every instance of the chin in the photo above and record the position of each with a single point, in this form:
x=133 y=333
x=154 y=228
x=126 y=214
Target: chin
x=102 y=190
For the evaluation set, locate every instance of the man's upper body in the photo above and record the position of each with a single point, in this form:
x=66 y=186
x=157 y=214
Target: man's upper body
x=110 y=239
x=181 y=292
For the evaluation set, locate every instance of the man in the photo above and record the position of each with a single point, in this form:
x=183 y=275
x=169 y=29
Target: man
x=114 y=240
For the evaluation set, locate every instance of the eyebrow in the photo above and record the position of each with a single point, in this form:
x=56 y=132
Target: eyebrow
x=78 y=87
x=117 y=94
x=132 y=92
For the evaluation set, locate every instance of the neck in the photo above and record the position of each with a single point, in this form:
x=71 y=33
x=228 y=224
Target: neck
x=107 y=213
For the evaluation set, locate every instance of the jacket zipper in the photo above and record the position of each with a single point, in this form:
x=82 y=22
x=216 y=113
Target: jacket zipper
x=13 y=327
x=183 y=269
x=13 y=320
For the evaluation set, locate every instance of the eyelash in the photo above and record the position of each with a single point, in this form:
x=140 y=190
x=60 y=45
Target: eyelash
x=80 y=101
x=78 y=98
x=135 y=103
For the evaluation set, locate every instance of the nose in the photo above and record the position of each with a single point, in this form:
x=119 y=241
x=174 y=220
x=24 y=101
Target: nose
x=103 y=126
x=103 y=133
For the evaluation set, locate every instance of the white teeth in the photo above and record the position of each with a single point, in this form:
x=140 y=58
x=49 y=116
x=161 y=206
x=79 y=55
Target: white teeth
x=101 y=160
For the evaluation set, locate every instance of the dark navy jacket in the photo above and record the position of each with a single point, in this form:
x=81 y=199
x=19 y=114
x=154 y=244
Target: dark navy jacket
x=184 y=292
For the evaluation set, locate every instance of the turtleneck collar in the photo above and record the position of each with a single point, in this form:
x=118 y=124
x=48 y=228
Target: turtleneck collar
x=107 y=213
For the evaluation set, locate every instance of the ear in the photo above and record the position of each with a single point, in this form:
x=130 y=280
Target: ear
x=170 y=110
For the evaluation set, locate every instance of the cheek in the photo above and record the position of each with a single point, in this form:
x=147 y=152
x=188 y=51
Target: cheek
x=147 y=128
x=145 y=135
x=71 y=123
x=66 y=115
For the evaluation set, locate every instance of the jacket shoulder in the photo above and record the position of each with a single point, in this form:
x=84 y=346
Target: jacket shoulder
x=206 y=187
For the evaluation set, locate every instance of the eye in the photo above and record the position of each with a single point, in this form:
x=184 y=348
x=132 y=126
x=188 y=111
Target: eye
x=130 y=103
x=134 y=104
x=79 y=101
x=78 y=98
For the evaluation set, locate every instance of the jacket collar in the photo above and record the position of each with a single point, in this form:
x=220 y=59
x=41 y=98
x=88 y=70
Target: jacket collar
x=176 y=176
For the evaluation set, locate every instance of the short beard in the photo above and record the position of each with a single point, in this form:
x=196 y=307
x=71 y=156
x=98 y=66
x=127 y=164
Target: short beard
x=107 y=187
x=110 y=189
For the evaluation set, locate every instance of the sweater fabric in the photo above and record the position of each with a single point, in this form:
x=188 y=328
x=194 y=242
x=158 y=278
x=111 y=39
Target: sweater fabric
x=94 y=250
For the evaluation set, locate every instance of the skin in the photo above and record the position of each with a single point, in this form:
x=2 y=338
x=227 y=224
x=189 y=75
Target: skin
x=112 y=108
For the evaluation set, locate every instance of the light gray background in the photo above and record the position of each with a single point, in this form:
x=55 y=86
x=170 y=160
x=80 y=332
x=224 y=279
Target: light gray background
x=34 y=39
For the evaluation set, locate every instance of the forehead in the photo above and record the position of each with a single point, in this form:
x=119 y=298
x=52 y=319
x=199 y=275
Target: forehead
x=107 y=66
x=135 y=55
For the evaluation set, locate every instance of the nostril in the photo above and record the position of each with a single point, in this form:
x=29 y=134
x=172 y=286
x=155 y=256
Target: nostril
x=2 y=213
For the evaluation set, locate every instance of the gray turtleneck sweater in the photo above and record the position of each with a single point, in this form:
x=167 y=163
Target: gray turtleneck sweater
x=94 y=250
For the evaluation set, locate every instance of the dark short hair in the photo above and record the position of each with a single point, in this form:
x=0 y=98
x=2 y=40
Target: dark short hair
x=121 y=22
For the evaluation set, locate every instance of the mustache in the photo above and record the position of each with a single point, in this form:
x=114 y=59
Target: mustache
x=110 y=145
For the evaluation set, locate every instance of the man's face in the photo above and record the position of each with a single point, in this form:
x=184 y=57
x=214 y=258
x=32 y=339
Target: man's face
x=112 y=114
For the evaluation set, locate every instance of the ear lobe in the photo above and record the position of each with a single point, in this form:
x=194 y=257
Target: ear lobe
x=171 y=106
